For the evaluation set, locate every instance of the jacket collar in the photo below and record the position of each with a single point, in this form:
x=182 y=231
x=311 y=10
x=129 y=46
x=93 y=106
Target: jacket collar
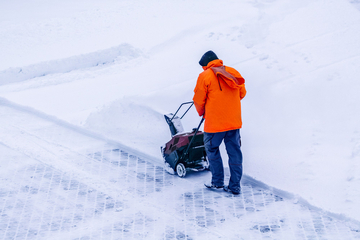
x=214 y=63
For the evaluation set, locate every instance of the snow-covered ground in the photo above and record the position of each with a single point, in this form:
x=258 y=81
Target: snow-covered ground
x=115 y=67
x=59 y=181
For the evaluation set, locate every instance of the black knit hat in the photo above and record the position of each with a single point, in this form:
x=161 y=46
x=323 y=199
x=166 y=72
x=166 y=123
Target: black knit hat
x=207 y=57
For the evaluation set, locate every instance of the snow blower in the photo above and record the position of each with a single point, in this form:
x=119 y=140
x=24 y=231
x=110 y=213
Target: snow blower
x=186 y=150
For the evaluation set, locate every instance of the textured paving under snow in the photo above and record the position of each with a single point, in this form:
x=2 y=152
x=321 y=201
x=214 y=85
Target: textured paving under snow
x=59 y=183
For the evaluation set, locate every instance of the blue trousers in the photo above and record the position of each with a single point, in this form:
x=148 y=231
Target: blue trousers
x=232 y=143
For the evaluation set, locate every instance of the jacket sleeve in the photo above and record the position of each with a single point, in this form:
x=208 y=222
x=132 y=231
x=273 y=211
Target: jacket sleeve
x=199 y=98
x=242 y=91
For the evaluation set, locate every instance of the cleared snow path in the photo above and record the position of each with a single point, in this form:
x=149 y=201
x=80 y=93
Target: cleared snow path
x=60 y=182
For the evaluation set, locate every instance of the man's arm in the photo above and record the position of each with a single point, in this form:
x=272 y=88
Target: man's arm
x=200 y=96
x=242 y=91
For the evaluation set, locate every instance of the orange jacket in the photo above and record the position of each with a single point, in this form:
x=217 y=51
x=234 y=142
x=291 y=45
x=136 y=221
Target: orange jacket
x=218 y=92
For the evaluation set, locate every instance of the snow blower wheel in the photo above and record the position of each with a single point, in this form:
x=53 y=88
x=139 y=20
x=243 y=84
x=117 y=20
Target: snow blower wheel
x=180 y=170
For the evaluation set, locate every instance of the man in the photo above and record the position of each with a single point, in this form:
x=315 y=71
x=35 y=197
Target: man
x=218 y=92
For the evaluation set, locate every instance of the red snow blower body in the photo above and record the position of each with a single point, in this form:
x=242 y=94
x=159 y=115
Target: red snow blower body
x=184 y=151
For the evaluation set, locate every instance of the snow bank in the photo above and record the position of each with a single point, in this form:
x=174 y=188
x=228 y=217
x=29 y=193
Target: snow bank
x=132 y=124
x=119 y=53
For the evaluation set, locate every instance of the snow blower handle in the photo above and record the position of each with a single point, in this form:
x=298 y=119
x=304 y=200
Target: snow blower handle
x=174 y=122
x=185 y=103
x=192 y=139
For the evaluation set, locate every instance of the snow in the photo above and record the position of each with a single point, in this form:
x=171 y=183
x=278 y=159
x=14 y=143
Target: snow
x=60 y=181
x=115 y=68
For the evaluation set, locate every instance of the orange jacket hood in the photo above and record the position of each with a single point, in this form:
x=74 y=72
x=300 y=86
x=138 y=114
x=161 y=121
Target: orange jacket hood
x=231 y=78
